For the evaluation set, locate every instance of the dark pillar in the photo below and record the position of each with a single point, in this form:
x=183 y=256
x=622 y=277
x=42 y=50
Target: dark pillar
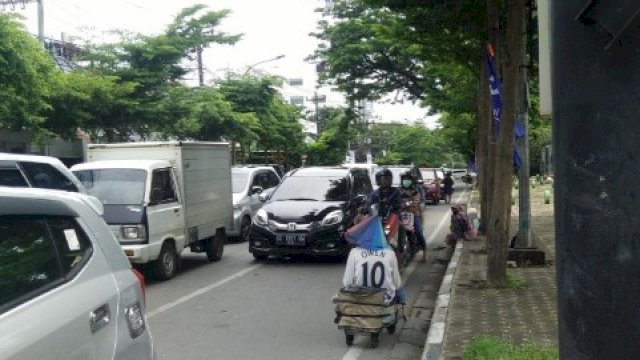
x=595 y=60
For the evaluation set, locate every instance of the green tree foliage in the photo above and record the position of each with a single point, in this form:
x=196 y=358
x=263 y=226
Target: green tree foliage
x=406 y=144
x=332 y=144
x=27 y=78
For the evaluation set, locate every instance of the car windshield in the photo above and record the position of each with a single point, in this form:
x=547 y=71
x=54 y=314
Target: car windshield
x=428 y=174
x=239 y=181
x=312 y=189
x=115 y=186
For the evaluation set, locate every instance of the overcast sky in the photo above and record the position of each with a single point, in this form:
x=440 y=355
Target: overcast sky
x=270 y=28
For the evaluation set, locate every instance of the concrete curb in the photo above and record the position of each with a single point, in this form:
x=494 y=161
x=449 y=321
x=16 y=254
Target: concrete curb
x=435 y=337
x=433 y=347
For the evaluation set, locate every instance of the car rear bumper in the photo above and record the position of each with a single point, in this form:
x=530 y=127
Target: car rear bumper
x=327 y=242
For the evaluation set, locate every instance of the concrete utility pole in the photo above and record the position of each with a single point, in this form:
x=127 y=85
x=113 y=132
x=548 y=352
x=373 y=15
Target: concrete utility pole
x=524 y=238
x=200 y=66
x=596 y=87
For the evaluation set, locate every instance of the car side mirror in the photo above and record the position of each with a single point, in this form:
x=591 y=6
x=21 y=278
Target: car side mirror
x=256 y=190
x=263 y=196
x=156 y=196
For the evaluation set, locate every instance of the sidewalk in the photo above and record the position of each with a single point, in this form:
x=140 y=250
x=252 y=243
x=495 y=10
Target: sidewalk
x=518 y=315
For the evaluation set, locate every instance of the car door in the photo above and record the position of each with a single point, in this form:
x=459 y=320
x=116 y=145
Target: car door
x=165 y=213
x=59 y=298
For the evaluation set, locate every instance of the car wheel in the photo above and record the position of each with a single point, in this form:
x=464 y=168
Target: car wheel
x=215 y=246
x=167 y=264
x=245 y=229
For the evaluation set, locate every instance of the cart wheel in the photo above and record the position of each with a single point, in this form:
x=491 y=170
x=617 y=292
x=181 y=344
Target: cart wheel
x=349 y=338
x=375 y=340
x=391 y=329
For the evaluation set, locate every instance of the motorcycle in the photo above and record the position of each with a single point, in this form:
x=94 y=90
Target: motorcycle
x=399 y=232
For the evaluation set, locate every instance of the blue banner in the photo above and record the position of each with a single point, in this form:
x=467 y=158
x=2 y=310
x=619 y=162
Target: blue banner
x=495 y=87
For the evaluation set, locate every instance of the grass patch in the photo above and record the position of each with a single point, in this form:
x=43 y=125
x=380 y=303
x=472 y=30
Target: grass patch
x=512 y=282
x=490 y=348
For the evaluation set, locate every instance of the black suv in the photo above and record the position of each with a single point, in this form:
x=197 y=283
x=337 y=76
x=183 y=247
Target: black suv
x=309 y=213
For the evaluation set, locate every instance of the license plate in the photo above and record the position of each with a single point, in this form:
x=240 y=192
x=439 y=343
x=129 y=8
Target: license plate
x=292 y=239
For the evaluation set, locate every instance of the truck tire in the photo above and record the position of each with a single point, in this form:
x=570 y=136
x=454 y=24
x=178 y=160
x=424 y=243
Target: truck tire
x=167 y=264
x=215 y=245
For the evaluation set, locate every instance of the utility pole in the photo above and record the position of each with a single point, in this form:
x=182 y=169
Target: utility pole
x=524 y=238
x=317 y=99
x=595 y=71
x=41 y=21
x=200 y=65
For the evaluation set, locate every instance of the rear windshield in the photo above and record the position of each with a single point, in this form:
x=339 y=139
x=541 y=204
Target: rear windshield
x=115 y=186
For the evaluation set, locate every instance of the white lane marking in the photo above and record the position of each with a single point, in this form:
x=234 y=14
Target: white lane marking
x=355 y=352
x=199 y=292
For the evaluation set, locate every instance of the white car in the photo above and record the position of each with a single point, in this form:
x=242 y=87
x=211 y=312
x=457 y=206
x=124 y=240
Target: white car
x=68 y=291
x=248 y=183
x=17 y=170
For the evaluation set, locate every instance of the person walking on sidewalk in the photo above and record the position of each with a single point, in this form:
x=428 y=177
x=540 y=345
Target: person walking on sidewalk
x=448 y=187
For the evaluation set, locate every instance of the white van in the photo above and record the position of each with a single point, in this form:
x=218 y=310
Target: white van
x=162 y=197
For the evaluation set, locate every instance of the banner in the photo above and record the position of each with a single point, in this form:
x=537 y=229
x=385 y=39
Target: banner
x=495 y=87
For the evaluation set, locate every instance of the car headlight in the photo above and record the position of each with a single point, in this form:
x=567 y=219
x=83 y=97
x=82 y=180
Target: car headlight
x=261 y=218
x=333 y=218
x=135 y=232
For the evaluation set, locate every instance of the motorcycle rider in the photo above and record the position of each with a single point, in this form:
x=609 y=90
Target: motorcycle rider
x=412 y=202
x=387 y=197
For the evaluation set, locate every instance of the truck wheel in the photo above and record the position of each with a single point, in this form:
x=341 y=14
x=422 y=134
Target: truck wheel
x=245 y=229
x=215 y=246
x=167 y=264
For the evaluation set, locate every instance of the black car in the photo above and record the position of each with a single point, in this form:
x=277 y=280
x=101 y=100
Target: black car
x=309 y=213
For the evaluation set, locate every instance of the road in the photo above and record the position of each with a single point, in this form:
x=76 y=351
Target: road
x=238 y=308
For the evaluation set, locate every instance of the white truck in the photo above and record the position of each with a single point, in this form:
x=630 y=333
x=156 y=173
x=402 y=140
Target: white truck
x=162 y=197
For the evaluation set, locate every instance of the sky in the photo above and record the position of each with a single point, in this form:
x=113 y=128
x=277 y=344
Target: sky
x=269 y=28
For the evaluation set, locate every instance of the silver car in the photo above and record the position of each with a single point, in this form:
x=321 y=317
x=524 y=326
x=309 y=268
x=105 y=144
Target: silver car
x=250 y=186
x=68 y=291
x=17 y=170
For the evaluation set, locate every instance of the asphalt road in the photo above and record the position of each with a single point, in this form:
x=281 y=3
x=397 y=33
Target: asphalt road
x=238 y=308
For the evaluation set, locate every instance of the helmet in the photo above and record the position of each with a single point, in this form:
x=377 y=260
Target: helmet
x=384 y=178
x=407 y=180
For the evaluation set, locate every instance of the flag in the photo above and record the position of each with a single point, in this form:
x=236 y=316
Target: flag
x=519 y=133
x=368 y=234
x=495 y=87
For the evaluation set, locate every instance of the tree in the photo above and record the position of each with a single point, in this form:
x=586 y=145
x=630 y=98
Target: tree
x=155 y=64
x=99 y=105
x=27 y=75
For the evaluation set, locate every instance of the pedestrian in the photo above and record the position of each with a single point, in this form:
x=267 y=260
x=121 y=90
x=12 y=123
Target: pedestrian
x=448 y=187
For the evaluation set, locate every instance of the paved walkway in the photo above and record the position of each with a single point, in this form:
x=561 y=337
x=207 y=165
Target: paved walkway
x=526 y=314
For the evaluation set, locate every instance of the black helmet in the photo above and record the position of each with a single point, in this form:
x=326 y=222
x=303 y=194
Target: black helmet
x=407 y=175
x=384 y=178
